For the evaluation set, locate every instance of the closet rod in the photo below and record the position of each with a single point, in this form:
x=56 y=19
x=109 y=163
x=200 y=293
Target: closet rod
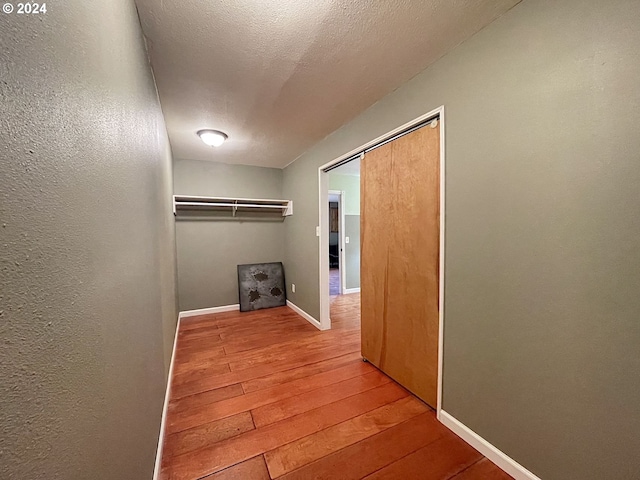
x=383 y=142
x=239 y=205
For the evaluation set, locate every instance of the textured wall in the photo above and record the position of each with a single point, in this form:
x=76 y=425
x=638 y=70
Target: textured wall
x=87 y=283
x=542 y=231
x=350 y=185
x=210 y=248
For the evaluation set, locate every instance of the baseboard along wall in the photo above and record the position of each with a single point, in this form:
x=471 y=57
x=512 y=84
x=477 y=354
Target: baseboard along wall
x=347 y=291
x=304 y=314
x=207 y=311
x=163 y=420
x=497 y=456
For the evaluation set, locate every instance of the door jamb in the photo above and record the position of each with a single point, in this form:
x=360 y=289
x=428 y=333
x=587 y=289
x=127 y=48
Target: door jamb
x=323 y=233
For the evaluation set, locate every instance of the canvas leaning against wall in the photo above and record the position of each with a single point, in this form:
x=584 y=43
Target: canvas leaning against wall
x=261 y=285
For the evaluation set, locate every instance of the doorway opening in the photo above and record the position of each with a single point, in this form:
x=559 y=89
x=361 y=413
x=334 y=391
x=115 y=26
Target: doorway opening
x=336 y=248
x=434 y=119
x=344 y=229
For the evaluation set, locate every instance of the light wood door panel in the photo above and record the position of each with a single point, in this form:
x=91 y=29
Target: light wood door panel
x=400 y=208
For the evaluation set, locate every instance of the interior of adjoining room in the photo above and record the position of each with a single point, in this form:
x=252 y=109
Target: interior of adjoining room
x=317 y=239
x=344 y=228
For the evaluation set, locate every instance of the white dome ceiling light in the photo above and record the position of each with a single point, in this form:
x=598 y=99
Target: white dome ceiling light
x=213 y=138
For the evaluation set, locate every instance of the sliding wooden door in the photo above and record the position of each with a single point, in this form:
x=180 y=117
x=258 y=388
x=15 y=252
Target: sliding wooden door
x=399 y=279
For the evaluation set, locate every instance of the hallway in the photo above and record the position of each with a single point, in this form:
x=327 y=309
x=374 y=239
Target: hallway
x=264 y=394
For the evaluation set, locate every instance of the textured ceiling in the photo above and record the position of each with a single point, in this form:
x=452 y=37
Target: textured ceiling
x=278 y=76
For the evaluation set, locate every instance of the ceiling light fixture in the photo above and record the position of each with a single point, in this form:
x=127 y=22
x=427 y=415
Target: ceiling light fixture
x=213 y=138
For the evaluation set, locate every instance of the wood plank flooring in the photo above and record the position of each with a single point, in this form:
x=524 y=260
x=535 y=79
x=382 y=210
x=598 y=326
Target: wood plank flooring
x=334 y=281
x=265 y=395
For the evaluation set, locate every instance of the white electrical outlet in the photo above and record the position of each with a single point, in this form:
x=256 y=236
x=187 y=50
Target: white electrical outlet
x=317 y=231
x=346 y=239
x=293 y=287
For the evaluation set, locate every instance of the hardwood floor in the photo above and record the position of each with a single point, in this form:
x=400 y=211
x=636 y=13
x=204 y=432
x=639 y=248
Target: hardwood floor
x=264 y=395
x=334 y=281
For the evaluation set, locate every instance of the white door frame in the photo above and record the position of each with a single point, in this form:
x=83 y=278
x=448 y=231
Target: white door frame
x=323 y=202
x=341 y=239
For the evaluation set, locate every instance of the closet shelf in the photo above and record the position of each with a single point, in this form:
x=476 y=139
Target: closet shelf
x=185 y=202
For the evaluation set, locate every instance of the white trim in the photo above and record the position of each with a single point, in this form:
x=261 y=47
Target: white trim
x=323 y=238
x=441 y=255
x=498 y=457
x=323 y=195
x=163 y=420
x=347 y=291
x=207 y=311
x=304 y=315
x=240 y=199
x=341 y=244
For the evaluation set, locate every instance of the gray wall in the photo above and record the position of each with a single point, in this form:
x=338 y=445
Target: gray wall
x=352 y=251
x=87 y=247
x=542 y=231
x=211 y=247
x=350 y=185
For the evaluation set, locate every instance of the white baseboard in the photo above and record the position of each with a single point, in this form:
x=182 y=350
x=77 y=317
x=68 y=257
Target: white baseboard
x=207 y=311
x=156 y=469
x=347 y=291
x=304 y=314
x=498 y=457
